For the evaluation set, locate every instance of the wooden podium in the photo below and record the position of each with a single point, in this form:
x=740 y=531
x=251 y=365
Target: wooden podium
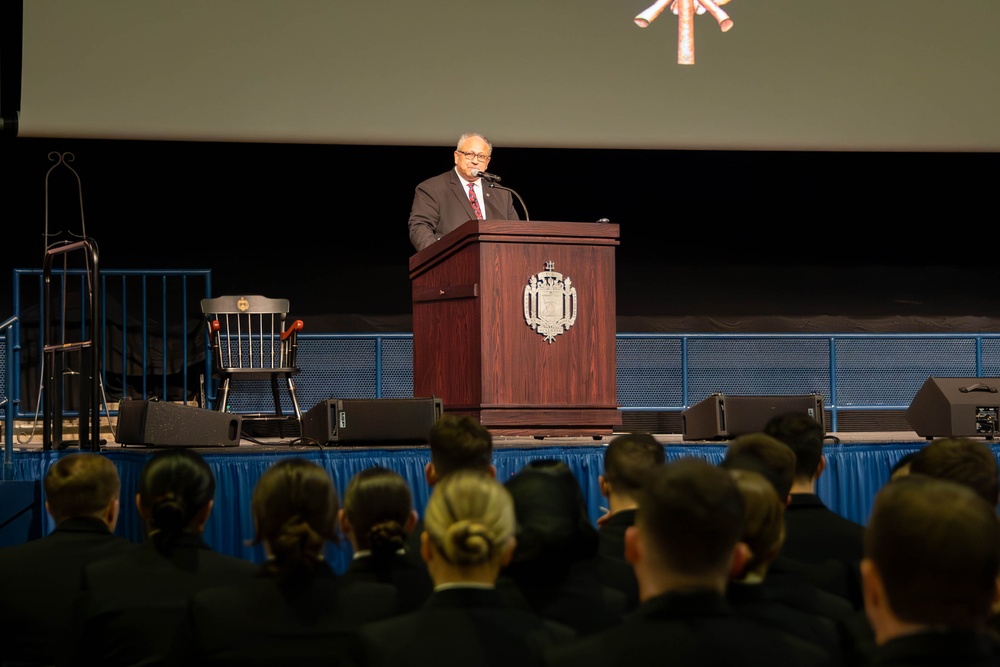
x=514 y=324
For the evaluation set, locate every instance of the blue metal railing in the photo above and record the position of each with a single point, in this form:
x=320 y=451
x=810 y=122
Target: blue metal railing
x=855 y=372
x=9 y=400
x=151 y=331
x=671 y=372
x=158 y=345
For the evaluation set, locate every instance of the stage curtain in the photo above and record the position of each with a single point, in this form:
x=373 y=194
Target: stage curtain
x=853 y=475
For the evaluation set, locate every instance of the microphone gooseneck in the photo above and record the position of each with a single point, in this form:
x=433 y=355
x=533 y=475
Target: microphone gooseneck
x=514 y=192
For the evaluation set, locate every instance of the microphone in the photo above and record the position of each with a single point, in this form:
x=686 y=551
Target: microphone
x=494 y=179
x=486 y=175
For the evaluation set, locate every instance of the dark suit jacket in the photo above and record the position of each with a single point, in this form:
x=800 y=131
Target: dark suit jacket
x=570 y=592
x=308 y=619
x=39 y=581
x=441 y=204
x=618 y=575
x=829 y=575
x=770 y=606
x=412 y=547
x=857 y=639
x=408 y=576
x=459 y=627
x=814 y=533
x=131 y=605
x=687 y=629
x=949 y=648
x=615 y=570
x=611 y=536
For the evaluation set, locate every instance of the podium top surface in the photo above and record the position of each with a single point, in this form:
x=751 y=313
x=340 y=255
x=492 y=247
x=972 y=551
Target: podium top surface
x=517 y=231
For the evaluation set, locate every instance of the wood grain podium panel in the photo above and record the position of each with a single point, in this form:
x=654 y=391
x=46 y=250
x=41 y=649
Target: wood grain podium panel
x=473 y=348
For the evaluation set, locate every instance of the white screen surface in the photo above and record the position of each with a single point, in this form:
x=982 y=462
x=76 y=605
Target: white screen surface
x=891 y=75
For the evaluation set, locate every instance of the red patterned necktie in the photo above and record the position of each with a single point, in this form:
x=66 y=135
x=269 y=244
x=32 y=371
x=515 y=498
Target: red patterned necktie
x=475 y=201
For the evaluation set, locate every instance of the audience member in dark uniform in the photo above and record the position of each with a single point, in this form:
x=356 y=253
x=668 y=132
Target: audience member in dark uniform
x=297 y=610
x=133 y=603
x=969 y=462
x=814 y=587
x=814 y=532
x=804 y=610
x=776 y=461
x=469 y=537
x=377 y=517
x=930 y=568
x=456 y=442
x=772 y=458
x=556 y=567
x=684 y=546
x=39 y=579
x=626 y=459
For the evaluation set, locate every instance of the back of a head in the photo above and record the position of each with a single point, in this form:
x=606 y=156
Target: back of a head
x=174 y=486
x=81 y=484
x=460 y=442
x=628 y=458
x=936 y=547
x=470 y=518
x=692 y=514
x=804 y=435
x=765 y=454
x=963 y=460
x=764 y=528
x=553 y=524
x=295 y=511
x=378 y=503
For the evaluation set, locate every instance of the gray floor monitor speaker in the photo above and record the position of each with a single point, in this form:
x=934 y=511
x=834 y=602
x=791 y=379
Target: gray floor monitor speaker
x=721 y=416
x=162 y=424
x=956 y=407
x=346 y=421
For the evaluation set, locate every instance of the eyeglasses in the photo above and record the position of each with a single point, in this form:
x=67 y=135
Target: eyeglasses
x=469 y=155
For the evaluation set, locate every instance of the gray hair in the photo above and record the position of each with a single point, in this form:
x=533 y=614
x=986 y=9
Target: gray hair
x=469 y=135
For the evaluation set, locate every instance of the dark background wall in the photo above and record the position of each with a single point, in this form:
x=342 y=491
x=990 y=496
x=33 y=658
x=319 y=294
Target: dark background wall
x=743 y=240
x=779 y=184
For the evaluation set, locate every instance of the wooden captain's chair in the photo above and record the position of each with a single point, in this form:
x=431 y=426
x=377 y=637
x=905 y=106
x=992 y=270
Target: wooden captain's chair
x=250 y=341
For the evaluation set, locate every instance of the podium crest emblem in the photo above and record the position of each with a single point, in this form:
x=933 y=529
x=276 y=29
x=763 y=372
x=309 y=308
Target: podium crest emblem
x=550 y=303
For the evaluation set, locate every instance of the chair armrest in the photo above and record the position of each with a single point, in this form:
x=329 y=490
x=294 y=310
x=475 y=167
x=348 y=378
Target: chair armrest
x=295 y=327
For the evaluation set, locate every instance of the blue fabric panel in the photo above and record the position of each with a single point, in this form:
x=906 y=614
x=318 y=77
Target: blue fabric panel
x=853 y=475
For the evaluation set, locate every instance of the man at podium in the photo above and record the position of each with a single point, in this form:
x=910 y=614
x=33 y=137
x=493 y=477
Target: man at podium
x=446 y=201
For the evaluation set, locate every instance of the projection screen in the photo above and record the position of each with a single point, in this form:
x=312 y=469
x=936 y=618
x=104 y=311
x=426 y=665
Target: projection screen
x=892 y=75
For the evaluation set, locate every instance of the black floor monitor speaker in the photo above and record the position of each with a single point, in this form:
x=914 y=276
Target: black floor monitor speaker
x=956 y=408
x=346 y=421
x=721 y=416
x=160 y=424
